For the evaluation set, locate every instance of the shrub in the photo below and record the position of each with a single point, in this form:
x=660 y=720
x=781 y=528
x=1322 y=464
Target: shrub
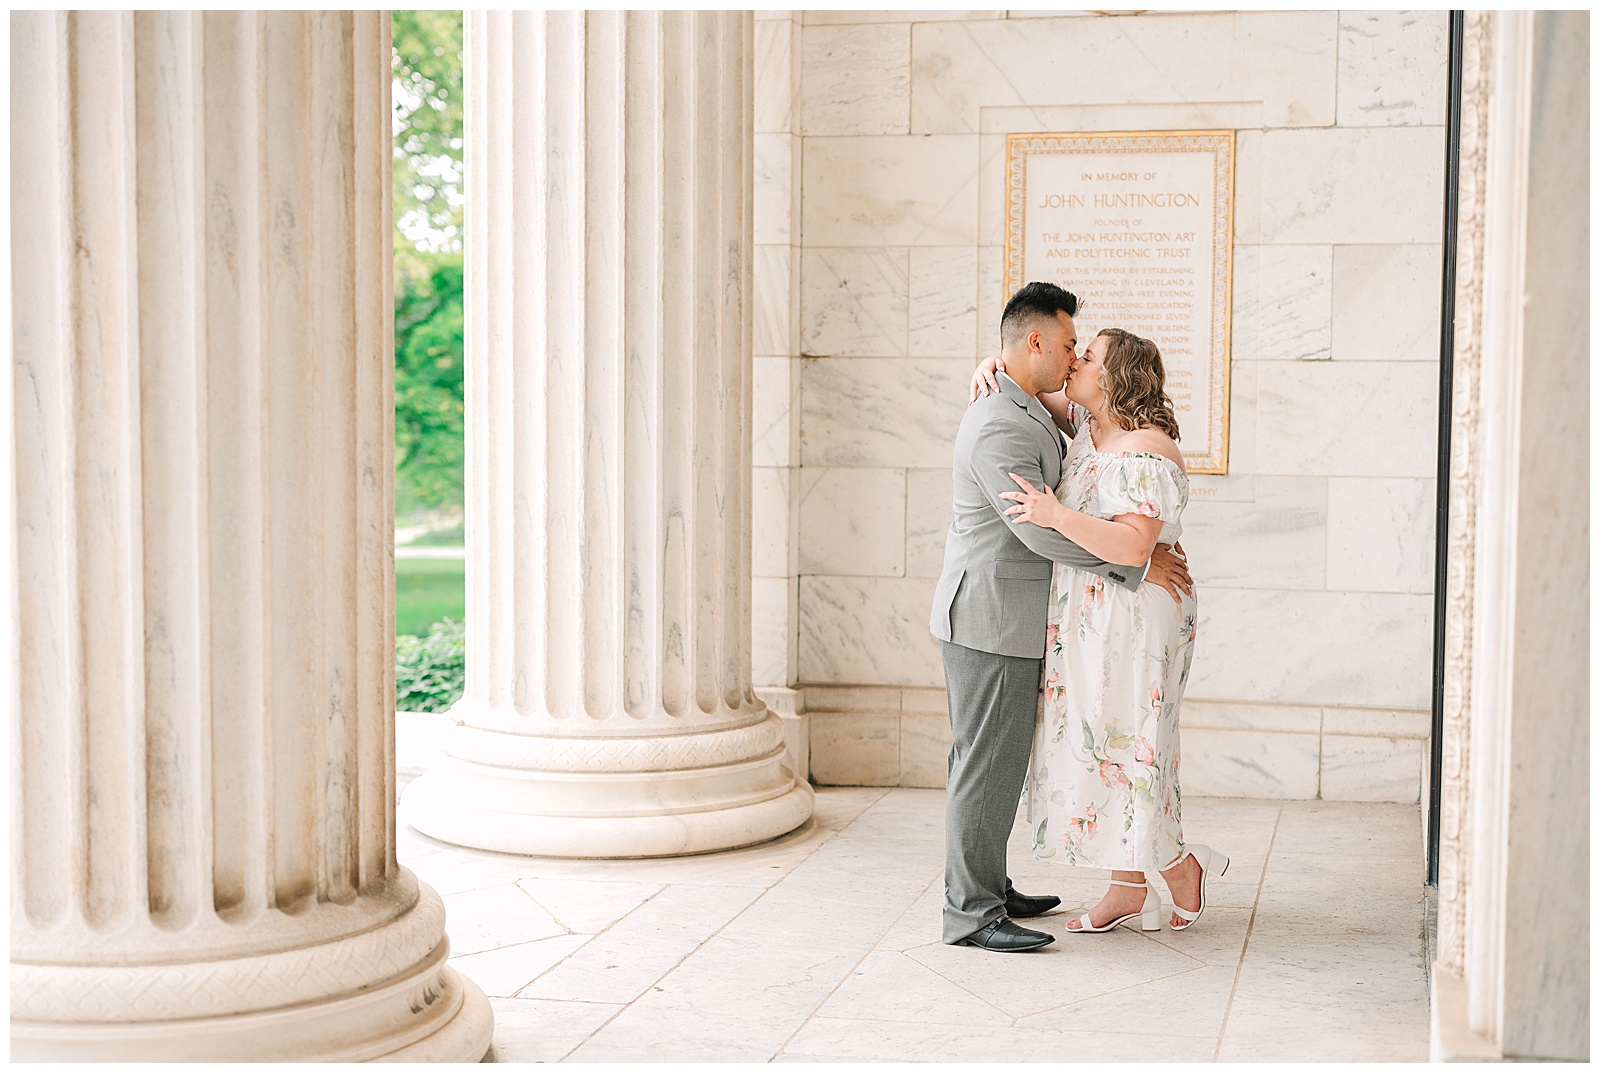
x=430 y=672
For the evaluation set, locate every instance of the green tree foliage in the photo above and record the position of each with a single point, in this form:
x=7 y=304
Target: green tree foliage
x=429 y=411
x=429 y=427
x=428 y=129
x=428 y=324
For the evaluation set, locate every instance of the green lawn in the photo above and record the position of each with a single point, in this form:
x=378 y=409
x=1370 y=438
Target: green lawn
x=427 y=590
x=454 y=536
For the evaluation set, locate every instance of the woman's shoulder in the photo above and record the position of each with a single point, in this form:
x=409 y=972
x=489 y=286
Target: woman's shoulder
x=1150 y=441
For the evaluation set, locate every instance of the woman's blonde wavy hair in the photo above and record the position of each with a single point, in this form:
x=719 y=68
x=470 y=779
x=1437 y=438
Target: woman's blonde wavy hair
x=1134 y=383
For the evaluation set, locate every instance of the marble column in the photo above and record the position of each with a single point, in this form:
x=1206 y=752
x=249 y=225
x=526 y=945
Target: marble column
x=202 y=779
x=1512 y=976
x=609 y=708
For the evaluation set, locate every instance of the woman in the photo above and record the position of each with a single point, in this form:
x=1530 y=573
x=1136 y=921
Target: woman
x=1103 y=779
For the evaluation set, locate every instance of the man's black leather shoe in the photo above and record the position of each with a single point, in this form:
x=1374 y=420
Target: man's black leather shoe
x=1021 y=906
x=1007 y=937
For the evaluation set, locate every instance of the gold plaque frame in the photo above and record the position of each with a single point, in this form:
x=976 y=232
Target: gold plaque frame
x=1220 y=143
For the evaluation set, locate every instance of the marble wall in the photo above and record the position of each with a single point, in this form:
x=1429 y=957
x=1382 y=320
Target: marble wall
x=880 y=153
x=776 y=380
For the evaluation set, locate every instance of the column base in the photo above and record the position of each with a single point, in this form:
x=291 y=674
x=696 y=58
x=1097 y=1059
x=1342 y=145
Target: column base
x=1449 y=1038
x=425 y=1012
x=432 y=809
x=463 y=1038
x=508 y=793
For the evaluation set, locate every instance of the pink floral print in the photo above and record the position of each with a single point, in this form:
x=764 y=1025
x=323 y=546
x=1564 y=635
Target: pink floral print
x=1116 y=663
x=1111 y=774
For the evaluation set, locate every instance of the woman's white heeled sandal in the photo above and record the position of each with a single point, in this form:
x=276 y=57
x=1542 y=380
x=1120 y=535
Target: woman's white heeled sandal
x=1210 y=861
x=1149 y=914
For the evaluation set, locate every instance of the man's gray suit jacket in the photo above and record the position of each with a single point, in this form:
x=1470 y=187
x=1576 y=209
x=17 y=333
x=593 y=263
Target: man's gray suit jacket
x=994 y=590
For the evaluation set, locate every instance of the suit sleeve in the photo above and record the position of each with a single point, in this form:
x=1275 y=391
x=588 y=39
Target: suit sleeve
x=1004 y=449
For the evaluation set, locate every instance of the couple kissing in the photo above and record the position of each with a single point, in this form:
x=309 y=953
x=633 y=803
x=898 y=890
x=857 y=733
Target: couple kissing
x=1066 y=620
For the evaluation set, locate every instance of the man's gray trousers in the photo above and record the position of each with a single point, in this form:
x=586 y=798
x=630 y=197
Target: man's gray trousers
x=992 y=703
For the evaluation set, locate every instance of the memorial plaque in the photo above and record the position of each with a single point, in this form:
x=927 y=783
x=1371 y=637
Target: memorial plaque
x=1140 y=227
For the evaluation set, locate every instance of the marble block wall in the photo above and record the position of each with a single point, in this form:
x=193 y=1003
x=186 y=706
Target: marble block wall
x=880 y=230
x=776 y=380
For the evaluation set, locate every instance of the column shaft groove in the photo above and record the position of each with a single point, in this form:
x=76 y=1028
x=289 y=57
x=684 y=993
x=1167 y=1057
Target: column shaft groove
x=608 y=708
x=202 y=375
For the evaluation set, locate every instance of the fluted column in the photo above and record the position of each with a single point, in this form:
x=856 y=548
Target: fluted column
x=203 y=852
x=609 y=708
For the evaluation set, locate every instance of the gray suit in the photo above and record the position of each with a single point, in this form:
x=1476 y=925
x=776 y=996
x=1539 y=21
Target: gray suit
x=989 y=609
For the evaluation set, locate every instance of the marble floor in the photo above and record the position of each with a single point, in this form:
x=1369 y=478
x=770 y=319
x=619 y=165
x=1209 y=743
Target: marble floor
x=823 y=946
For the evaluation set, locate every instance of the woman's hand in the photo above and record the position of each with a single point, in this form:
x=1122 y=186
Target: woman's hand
x=1037 y=506
x=983 y=380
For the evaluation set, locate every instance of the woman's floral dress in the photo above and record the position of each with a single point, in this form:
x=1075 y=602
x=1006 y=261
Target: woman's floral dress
x=1103 y=781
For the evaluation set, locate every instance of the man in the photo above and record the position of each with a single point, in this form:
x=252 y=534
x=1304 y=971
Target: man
x=989 y=613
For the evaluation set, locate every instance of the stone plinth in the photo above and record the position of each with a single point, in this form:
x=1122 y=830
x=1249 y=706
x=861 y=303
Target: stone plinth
x=609 y=707
x=203 y=851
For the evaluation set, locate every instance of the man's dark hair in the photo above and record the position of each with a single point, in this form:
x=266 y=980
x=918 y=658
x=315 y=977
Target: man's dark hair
x=1032 y=302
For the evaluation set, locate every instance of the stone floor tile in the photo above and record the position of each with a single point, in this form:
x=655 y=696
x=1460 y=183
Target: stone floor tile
x=1215 y=828
x=411 y=844
x=1286 y=1027
x=1190 y=1003
x=1347 y=1043
x=731 y=1001
x=838 y=806
x=503 y=972
x=848 y=894
x=1316 y=910
x=1225 y=893
x=1217 y=938
x=1335 y=829
x=890 y=986
x=1362 y=922
x=1330 y=1002
x=921 y=924
x=1374 y=871
x=1290 y=893
x=784 y=955
x=824 y=945
x=588 y=905
x=1360 y=964
x=635 y=953
x=828 y=923
x=454 y=869
x=917 y=815
x=878 y=1041
x=493 y=917
x=757 y=866
x=1204 y=812
x=1247 y=845
x=1072 y=969
x=537 y=1030
x=1368 y=974
x=853 y=872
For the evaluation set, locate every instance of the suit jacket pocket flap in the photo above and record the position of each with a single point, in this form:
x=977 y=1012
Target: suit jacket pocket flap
x=1023 y=569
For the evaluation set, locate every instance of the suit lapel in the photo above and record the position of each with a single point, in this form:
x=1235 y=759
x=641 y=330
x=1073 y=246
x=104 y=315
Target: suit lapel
x=1035 y=409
